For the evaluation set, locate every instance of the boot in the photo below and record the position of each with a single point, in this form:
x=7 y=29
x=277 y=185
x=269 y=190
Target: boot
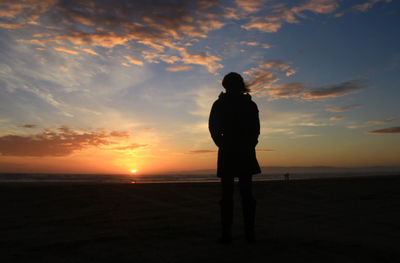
x=226 y=221
x=249 y=211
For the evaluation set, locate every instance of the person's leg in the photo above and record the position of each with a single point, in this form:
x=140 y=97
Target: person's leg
x=248 y=205
x=226 y=203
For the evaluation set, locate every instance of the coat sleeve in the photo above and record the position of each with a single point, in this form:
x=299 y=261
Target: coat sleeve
x=255 y=125
x=215 y=125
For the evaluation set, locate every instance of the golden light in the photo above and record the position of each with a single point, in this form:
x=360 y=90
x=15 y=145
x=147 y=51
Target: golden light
x=133 y=171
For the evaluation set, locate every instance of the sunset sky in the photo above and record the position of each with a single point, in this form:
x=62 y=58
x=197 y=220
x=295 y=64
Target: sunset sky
x=111 y=86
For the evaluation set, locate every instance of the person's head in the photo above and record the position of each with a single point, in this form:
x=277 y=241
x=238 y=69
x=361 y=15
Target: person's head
x=233 y=82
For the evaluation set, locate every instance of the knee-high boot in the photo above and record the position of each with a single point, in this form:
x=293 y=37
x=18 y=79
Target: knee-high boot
x=249 y=212
x=226 y=220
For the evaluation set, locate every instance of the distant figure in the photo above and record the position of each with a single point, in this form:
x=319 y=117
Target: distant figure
x=234 y=126
x=286 y=175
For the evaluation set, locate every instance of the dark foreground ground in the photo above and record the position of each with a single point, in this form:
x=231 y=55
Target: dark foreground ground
x=331 y=220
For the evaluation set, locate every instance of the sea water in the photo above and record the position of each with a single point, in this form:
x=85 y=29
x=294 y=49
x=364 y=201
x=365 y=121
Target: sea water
x=179 y=178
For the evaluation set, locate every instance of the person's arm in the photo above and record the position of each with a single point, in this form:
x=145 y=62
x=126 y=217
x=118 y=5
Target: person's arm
x=255 y=125
x=214 y=124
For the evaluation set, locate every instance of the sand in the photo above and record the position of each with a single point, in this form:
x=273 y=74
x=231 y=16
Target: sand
x=331 y=220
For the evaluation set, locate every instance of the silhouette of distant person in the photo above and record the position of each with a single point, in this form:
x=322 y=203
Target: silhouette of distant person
x=234 y=126
x=287 y=177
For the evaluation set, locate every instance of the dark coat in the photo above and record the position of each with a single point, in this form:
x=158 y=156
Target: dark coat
x=234 y=126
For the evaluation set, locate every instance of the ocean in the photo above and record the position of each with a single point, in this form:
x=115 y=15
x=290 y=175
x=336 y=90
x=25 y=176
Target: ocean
x=274 y=174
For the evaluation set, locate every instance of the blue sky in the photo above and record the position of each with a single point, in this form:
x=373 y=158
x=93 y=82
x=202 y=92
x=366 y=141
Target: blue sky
x=109 y=86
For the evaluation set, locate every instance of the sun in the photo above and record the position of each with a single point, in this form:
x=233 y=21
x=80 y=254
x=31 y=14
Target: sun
x=133 y=171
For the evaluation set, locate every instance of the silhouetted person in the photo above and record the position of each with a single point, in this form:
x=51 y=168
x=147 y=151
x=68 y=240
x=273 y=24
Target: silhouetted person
x=234 y=126
x=287 y=176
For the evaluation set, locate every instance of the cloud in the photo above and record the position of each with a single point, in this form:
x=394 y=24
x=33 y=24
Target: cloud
x=316 y=6
x=29 y=126
x=65 y=69
x=63 y=141
x=166 y=26
x=134 y=61
x=333 y=91
x=249 y=43
x=390 y=130
x=288 y=90
x=279 y=14
x=336 y=118
x=66 y=50
x=367 y=5
x=249 y=6
x=11 y=25
x=88 y=50
x=308 y=124
x=361 y=7
x=263 y=25
x=25 y=11
x=202 y=58
x=100 y=39
x=385 y=121
x=178 y=68
x=202 y=151
x=262 y=81
x=263 y=76
x=152 y=44
x=33 y=42
x=343 y=108
x=133 y=146
x=304 y=136
x=265 y=150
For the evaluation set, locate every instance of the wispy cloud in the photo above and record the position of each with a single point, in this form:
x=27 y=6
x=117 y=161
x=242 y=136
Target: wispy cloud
x=178 y=68
x=33 y=41
x=10 y=25
x=361 y=7
x=132 y=146
x=249 y=43
x=263 y=76
x=262 y=81
x=249 y=6
x=367 y=5
x=134 y=61
x=385 y=121
x=201 y=151
x=308 y=124
x=63 y=68
x=265 y=150
x=281 y=13
x=336 y=118
x=333 y=91
x=390 y=130
x=29 y=126
x=288 y=90
x=90 y=51
x=164 y=26
x=343 y=108
x=60 y=142
x=304 y=136
x=66 y=50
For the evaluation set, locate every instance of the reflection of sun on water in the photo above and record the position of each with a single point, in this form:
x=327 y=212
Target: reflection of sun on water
x=133 y=171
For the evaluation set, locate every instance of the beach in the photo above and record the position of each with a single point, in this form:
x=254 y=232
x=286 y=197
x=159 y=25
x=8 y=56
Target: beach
x=320 y=220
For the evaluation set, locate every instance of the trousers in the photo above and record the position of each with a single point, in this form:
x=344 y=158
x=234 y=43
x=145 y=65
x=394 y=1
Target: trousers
x=248 y=205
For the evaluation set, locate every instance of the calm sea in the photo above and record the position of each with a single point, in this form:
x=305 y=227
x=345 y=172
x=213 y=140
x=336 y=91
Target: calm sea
x=172 y=178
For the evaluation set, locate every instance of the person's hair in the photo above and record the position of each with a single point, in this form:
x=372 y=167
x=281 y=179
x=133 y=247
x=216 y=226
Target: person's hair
x=234 y=82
